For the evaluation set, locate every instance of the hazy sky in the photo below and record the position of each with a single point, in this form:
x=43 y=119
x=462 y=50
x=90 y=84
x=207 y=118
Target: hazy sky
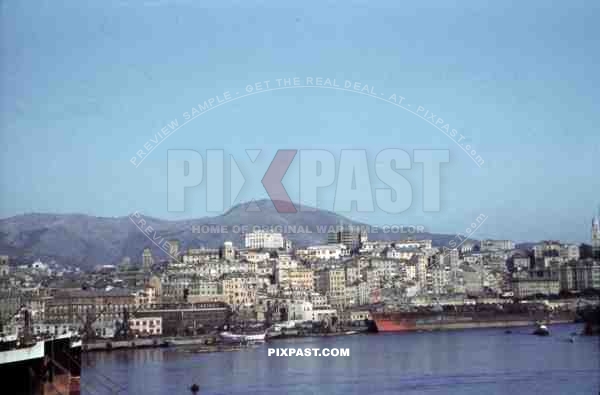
x=85 y=86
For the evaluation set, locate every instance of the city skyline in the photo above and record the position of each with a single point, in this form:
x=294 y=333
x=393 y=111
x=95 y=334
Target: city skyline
x=526 y=107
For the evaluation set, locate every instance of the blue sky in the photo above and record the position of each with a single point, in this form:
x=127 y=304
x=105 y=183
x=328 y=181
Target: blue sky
x=85 y=84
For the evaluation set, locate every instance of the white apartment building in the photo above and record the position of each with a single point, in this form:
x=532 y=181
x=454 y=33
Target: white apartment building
x=266 y=240
x=401 y=253
x=300 y=310
x=324 y=252
x=497 y=245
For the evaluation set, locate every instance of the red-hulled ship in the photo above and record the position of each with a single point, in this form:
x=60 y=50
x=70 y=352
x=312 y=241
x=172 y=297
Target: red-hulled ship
x=465 y=317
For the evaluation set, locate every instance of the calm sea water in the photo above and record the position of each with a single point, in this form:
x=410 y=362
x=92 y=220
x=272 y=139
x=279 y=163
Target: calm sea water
x=461 y=362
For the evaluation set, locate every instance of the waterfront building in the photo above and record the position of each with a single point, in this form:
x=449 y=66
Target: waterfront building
x=318 y=300
x=528 y=283
x=80 y=306
x=580 y=275
x=146 y=326
x=524 y=287
x=354 y=315
x=300 y=310
x=187 y=318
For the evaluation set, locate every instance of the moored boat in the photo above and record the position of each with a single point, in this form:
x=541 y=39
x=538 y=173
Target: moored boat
x=230 y=337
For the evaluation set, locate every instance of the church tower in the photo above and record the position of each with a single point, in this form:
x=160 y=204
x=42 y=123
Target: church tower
x=596 y=236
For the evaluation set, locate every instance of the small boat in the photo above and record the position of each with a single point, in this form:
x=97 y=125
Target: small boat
x=541 y=330
x=230 y=337
x=508 y=331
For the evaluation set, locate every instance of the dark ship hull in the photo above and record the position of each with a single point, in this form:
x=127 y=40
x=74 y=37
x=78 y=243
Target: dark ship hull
x=51 y=366
x=591 y=318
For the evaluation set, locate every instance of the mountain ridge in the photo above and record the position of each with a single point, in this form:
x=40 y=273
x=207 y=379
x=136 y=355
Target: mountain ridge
x=85 y=240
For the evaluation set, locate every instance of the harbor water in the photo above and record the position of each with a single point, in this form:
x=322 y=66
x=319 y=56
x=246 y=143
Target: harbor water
x=481 y=361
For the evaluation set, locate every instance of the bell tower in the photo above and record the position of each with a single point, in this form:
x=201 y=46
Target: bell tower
x=596 y=236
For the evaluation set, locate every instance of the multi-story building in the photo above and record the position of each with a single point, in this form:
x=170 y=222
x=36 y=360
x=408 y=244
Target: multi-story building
x=544 y=282
x=201 y=255
x=467 y=247
x=358 y=294
x=546 y=248
x=177 y=286
x=473 y=279
x=438 y=279
x=187 y=318
x=81 y=305
x=497 y=245
x=147 y=260
x=301 y=277
x=401 y=253
x=239 y=289
x=228 y=251
x=146 y=297
x=450 y=258
x=352 y=273
x=297 y=277
x=524 y=287
x=174 y=248
x=4 y=266
x=332 y=283
x=569 y=252
x=351 y=236
x=151 y=326
x=261 y=239
x=318 y=300
x=254 y=256
x=521 y=263
x=299 y=310
x=580 y=275
x=324 y=252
